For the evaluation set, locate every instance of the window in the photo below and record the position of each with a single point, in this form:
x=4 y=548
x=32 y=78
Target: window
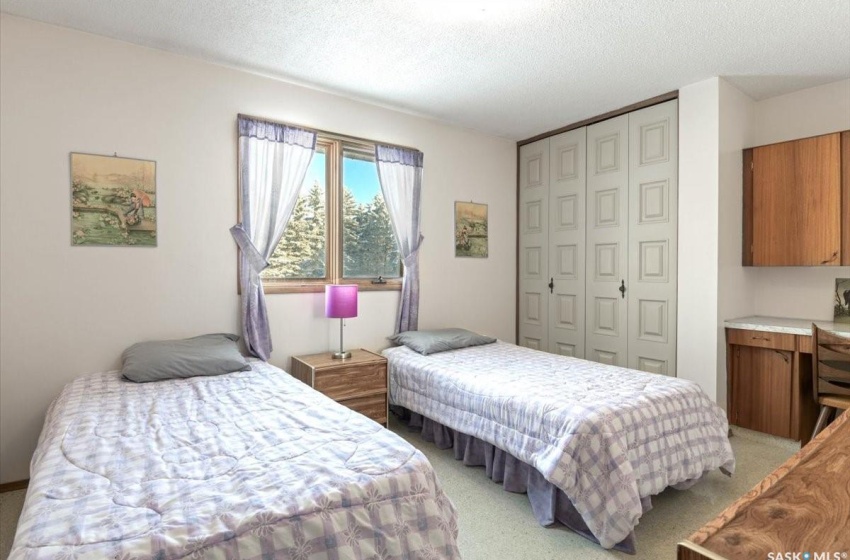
x=340 y=230
x=302 y=251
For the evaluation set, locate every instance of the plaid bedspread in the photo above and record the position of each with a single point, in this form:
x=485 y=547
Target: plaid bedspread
x=247 y=465
x=606 y=436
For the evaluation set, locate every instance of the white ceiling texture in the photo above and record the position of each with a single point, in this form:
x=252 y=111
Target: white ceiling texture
x=512 y=68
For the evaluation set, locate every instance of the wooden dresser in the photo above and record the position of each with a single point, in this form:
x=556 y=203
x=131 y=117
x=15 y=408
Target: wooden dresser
x=358 y=382
x=803 y=506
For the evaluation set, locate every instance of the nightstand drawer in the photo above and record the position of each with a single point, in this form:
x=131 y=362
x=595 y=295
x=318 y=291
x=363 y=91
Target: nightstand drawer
x=359 y=382
x=762 y=339
x=345 y=382
x=375 y=407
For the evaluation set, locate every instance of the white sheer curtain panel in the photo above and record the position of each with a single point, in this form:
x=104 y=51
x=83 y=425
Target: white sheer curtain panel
x=273 y=162
x=400 y=173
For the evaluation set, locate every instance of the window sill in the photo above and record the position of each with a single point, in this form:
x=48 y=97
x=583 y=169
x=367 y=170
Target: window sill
x=318 y=287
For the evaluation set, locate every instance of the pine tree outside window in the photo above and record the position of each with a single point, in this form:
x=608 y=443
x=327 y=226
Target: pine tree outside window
x=340 y=230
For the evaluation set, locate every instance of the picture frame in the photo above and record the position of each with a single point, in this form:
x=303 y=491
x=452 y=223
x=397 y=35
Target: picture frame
x=471 y=233
x=841 y=305
x=113 y=201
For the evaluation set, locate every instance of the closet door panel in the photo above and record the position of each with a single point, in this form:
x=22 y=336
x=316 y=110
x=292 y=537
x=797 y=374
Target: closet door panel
x=653 y=211
x=567 y=156
x=534 y=245
x=607 y=241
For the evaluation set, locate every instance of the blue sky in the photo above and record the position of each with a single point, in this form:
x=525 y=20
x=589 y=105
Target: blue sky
x=361 y=177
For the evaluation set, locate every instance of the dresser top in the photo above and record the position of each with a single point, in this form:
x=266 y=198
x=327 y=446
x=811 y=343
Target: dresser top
x=326 y=359
x=786 y=325
x=800 y=500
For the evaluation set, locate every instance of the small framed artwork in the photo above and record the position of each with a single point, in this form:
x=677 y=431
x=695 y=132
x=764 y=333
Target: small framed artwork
x=842 y=300
x=471 y=230
x=113 y=201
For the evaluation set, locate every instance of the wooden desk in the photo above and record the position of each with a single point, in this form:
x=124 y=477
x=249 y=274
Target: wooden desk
x=802 y=506
x=769 y=383
x=769 y=374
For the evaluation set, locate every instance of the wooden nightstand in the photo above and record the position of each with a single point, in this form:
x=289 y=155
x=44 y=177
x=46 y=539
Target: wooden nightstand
x=359 y=382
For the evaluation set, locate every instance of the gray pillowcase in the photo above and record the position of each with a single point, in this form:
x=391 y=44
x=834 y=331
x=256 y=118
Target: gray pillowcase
x=210 y=354
x=440 y=340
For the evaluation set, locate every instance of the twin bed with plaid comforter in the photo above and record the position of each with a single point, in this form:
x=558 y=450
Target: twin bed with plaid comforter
x=606 y=436
x=247 y=465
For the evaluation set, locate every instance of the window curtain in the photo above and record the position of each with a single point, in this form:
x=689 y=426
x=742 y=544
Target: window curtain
x=400 y=173
x=273 y=162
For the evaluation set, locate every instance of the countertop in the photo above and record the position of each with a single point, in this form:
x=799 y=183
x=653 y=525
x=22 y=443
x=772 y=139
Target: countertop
x=786 y=325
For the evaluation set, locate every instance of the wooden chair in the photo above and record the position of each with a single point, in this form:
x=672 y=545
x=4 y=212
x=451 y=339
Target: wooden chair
x=831 y=374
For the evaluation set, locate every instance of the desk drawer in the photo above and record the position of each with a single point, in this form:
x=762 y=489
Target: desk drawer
x=762 y=339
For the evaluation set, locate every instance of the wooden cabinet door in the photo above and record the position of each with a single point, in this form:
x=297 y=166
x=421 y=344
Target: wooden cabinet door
x=795 y=202
x=761 y=389
x=845 y=198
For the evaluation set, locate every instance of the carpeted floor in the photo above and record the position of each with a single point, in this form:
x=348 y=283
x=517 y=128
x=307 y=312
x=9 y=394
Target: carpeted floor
x=10 y=509
x=495 y=524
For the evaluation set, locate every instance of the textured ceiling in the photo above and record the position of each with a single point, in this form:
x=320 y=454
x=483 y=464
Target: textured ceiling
x=510 y=68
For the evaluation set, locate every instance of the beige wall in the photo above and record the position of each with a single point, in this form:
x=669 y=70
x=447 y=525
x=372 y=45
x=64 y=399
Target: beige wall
x=808 y=112
x=736 y=284
x=699 y=132
x=66 y=311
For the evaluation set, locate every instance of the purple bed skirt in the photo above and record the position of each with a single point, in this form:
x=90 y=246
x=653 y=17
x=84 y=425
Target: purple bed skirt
x=549 y=504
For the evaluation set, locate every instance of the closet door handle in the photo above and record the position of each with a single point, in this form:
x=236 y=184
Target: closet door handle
x=551 y=285
x=622 y=288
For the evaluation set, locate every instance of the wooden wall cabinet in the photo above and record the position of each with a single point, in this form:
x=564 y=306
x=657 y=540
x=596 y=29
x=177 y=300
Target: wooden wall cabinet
x=797 y=202
x=769 y=383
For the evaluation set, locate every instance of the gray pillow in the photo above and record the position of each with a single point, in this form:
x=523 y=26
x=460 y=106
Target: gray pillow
x=440 y=340
x=210 y=354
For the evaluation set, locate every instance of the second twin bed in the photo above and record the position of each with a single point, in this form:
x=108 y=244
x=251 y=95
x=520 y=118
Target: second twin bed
x=590 y=443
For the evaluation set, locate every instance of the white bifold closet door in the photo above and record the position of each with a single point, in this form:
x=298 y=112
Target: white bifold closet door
x=534 y=245
x=566 y=242
x=653 y=247
x=598 y=241
x=607 y=241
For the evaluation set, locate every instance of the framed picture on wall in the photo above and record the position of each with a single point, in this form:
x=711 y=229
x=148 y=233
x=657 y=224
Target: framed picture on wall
x=842 y=300
x=113 y=201
x=471 y=230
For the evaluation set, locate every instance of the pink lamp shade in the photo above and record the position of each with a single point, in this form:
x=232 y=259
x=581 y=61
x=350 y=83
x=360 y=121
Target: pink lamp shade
x=341 y=301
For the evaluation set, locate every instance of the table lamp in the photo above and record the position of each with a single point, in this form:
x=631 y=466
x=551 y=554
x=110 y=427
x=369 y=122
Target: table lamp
x=341 y=303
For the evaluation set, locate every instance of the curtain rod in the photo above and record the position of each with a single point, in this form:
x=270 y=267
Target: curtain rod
x=334 y=135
